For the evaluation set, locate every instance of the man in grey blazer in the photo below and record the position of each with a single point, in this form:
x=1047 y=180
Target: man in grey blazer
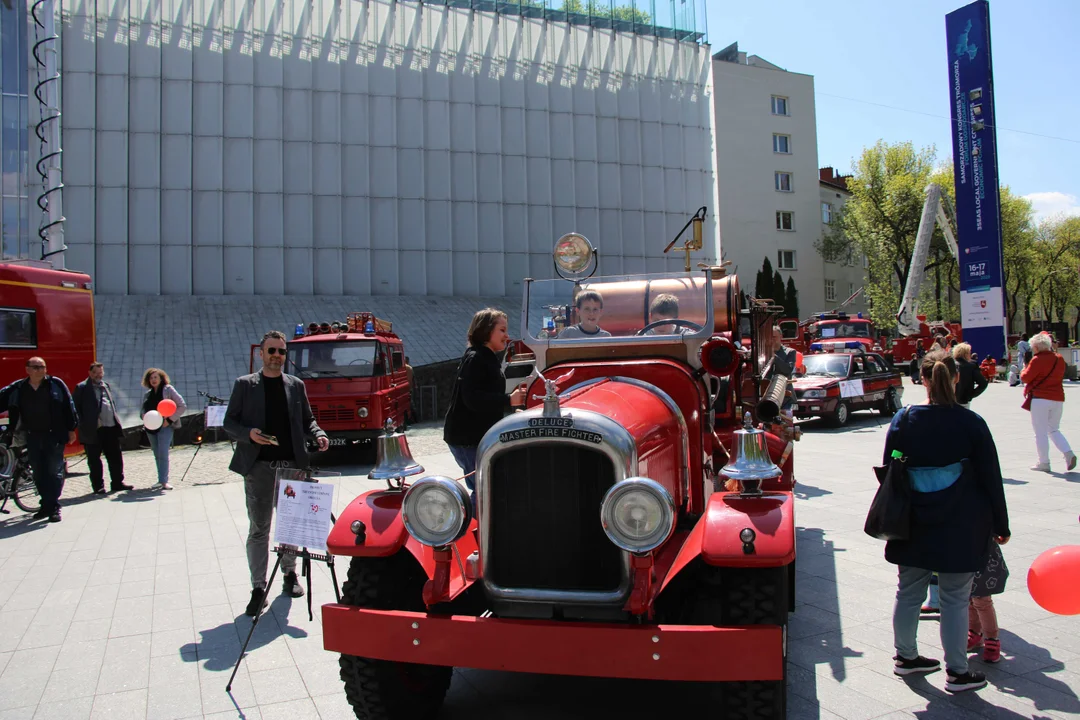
x=269 y=417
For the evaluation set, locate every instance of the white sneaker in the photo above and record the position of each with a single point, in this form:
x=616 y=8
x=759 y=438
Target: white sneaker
x=1070 y=461
x=166 y=486
x=1041 y=467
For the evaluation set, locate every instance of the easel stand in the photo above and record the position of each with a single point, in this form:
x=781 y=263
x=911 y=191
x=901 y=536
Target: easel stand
x=305 y=568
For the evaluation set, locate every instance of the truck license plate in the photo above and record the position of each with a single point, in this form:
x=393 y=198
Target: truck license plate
x=336 y=441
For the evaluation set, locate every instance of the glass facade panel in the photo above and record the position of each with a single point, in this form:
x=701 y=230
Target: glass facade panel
x=14 y=131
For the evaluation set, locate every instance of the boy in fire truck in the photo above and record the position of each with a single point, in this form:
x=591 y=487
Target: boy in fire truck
x=590 y=306
x=666 y=307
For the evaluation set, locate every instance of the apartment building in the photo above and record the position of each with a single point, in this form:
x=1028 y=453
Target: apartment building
x=769 y=195
x=842 y=276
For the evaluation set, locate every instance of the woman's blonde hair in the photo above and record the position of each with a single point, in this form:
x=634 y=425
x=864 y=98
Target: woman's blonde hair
x=961 y=351
x=1041 y=343
x=938 y=375
x=150 y=371
x=483 y=324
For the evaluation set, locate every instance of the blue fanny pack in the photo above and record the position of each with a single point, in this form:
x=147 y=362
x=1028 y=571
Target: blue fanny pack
x=933 y=479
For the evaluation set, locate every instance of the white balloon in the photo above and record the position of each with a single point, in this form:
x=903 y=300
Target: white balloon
x=152 y=420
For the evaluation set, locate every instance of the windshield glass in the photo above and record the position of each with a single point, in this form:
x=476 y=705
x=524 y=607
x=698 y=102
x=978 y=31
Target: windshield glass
x=827 y=365
x=622 y=306
x=844 y=329
x=350 y=358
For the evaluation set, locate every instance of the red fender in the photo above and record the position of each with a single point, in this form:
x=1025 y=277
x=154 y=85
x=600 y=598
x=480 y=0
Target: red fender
x=385 y=535
x=715 y=537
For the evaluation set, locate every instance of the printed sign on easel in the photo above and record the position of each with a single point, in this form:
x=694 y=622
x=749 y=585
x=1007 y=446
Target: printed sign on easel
x=215 y=415
x=303 y=513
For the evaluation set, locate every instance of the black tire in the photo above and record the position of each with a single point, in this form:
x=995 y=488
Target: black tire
x=23 y=490
x=890 y=405
x=382 y=689
x=842 y=415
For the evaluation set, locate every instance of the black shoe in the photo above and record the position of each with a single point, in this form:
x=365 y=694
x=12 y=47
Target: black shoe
x=41 y=514
x=292 y=585
x=100 y=491
x=54 y=516
x=257 y=603
x=920 y=664
x=970 y=680
x=121 y=486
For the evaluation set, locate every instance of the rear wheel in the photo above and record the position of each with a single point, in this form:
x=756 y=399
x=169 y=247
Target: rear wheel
x=382 y=689
x=23 y=490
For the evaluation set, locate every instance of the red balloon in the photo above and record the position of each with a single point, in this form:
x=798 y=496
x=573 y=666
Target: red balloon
x=166 y=407
x=1054 y=580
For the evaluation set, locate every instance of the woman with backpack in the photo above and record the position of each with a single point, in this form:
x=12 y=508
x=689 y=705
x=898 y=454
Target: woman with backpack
x=957 y=504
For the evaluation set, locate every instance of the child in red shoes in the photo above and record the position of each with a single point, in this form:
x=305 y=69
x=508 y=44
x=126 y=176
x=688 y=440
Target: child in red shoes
x=982 y=617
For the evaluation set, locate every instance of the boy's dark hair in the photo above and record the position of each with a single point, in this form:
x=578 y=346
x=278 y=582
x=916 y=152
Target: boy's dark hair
x=665 y=305
x=587 y=295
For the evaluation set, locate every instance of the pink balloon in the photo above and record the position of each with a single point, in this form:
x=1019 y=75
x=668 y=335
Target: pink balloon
x=166 y=407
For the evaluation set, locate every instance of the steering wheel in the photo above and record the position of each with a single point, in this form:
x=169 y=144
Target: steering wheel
x=674 y=321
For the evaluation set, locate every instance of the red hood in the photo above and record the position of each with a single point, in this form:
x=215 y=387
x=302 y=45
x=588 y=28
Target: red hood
x=815 y=381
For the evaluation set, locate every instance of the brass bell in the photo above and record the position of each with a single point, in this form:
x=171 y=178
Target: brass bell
x=394 y=460
x=750 y=461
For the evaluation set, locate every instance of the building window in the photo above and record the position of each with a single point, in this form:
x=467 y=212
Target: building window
x=826 y=213
x=785 y=259
x=850 y=289
x=14 y=133
x=830 y=290
x=785 y=220
x=783 y=182
x=781 y=144
x=779 y=105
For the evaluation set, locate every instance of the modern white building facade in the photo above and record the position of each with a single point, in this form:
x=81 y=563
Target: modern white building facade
x=374 y=147
x=767 y=179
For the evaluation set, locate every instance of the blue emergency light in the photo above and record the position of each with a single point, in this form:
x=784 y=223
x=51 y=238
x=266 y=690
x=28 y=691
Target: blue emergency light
x=853 y=344
x=299 y=331
x=369 y=327
x=815 y=346
x=858 y=315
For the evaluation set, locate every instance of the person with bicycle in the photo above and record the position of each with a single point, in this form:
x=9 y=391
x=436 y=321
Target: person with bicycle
x=41 y=406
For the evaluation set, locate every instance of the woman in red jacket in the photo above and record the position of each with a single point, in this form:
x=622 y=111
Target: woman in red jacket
x=1042 y=380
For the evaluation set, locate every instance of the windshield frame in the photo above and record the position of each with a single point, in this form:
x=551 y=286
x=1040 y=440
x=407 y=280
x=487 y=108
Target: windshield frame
x=836 y=324
x=378 y=359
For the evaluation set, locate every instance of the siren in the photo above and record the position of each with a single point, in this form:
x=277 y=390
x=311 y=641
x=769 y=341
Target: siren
x=312 y=328
x=719 y=356
x=324 y=328
x=299 y=330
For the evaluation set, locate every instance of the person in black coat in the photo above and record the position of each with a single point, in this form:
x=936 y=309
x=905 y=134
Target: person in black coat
x=479 y=398
x=957 y=507
x=970 y=382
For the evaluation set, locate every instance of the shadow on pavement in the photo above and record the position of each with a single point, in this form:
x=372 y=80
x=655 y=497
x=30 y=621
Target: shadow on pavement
x=219 y=647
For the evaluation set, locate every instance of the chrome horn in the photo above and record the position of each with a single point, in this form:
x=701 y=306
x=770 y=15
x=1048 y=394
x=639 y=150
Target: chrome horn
x=394 y=460
x=750 y=462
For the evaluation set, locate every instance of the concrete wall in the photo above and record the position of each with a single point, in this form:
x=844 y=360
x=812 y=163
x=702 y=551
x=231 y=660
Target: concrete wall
x=368 y=147
x=746 y=164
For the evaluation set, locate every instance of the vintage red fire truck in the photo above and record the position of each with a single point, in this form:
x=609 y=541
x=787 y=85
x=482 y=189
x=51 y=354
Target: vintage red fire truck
x=49 y=313
x=632 y=522
x=355 y=373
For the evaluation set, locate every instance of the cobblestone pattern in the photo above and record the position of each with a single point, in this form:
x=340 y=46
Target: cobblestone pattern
x=204 y=342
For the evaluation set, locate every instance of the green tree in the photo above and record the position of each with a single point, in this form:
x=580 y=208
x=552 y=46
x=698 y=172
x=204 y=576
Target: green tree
x=791 y=299
x=763 y=284
x=778 y=293
x=1056 y=285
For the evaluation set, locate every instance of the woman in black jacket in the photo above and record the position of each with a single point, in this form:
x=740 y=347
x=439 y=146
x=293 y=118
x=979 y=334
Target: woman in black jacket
x=479 y=398
x=970 y=382
x=957 y=510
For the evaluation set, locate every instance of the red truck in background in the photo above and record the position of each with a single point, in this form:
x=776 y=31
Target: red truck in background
x=355 y=373
x=831 y=332
x=903 y=348
x=48 y=313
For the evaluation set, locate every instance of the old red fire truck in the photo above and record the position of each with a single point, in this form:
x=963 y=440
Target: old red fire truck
x=355 y=375
x=633 y=522
x=49 y=313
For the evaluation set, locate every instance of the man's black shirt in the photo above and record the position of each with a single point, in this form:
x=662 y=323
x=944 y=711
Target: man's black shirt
x=34 y=408
x=277 y=421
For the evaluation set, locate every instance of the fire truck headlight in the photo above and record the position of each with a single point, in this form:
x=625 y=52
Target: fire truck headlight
x=573 y=253
x=638 y=515
x=436 y=510
x=362 y=412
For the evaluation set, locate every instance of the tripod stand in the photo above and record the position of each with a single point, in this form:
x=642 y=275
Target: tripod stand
x=211 y=401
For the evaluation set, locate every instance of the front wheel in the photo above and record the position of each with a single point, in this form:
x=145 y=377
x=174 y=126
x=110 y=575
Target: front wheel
x=383 y=689
x=23 y=490
x=842 y=414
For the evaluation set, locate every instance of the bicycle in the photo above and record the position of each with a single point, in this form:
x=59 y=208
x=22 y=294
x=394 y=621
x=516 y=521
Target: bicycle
x=16 y=478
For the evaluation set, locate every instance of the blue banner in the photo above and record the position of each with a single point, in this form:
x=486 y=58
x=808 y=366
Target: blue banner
x=978 y=206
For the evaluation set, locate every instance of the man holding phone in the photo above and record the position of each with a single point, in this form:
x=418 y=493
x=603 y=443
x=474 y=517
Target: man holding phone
x=269 y=416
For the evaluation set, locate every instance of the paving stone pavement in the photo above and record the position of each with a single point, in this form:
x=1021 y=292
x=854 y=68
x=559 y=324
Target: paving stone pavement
x=132 y=607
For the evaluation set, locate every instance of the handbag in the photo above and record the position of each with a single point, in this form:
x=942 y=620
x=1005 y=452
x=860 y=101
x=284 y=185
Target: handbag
x=890 y=512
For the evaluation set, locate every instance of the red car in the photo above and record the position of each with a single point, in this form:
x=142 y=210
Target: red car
x=838 y=384
x=630 y=523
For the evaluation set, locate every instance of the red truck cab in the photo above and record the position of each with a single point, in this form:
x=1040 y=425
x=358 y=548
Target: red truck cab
x=355 y=374
x=47 y=313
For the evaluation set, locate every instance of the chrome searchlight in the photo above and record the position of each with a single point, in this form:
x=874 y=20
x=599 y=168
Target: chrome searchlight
x=436 y=510
x=638 y=515
x=573 y=255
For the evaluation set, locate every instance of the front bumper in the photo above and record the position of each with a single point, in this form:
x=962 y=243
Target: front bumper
x=647 y=652
x=816 y=407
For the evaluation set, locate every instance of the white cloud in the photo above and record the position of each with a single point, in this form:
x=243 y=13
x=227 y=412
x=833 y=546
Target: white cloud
x=1049 y=204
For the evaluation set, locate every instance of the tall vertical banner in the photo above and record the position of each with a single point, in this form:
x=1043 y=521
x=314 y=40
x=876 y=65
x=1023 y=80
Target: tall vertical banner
x=978 y=206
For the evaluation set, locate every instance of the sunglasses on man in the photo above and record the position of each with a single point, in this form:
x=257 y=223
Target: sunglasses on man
x=36 y=367
x=276 y=351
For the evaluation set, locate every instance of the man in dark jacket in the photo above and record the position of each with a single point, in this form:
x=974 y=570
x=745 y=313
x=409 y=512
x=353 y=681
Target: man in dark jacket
x=100 y=430
x=269 y=416
x=42 y=405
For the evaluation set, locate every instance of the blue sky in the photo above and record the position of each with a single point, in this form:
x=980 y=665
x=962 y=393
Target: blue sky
x=862 y=52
